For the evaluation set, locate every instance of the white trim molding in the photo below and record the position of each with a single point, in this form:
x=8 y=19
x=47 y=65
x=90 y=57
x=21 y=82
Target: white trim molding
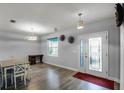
x=73 y=69
x=114 y=79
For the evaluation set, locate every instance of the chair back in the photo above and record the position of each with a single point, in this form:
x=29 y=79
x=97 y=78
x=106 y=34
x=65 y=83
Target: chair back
x=19 y=68
x=1 y=76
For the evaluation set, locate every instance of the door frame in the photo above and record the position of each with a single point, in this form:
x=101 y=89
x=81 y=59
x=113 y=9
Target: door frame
x=81 y=37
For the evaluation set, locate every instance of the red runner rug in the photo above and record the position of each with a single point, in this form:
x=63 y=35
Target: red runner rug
x=95 y=80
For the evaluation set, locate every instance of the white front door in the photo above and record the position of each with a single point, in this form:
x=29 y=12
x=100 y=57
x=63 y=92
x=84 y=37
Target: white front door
x=94 y=54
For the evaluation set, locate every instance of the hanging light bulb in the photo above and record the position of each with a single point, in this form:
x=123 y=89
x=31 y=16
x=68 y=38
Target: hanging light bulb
x=80 y=22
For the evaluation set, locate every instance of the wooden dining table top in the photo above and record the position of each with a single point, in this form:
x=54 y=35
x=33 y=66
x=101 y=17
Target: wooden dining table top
x=7 y=63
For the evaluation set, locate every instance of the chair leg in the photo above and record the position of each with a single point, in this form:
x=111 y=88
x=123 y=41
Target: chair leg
x=21 y=78
x=5 y=76
x=25 y=80
x=29 y=74
x=15 y=82
x=12 y=79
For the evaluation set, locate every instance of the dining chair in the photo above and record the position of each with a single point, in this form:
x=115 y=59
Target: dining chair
x=28 y=68
x=1 y=77
x=28 y=71
x=19 y=71
x=8 y=73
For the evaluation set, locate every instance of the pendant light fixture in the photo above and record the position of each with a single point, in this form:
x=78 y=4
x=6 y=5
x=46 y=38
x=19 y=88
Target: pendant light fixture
x=80 y=24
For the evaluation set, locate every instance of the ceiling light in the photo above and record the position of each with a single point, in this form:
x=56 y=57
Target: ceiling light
x=31 y=27
x=13 y=21
x=80 y=24
x=32 y=38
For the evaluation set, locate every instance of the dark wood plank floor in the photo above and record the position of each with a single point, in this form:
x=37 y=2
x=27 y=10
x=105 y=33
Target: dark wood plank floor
x=49 y=77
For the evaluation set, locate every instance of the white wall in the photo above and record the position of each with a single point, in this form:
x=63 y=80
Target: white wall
x=122 y=56
x=18 y=49
x=69 y=53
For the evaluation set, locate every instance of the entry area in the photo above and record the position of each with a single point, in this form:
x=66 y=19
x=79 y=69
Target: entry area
x=94 y=54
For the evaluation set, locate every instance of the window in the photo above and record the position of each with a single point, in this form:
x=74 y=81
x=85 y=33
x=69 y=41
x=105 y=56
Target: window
x=81 y=53
x=53 y=46
x=95 y=54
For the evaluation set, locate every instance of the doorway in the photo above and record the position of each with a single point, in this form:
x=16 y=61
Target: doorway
x=94 y=54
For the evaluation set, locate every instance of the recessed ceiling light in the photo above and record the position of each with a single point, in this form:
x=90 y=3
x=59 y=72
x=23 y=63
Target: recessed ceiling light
x=13 y=21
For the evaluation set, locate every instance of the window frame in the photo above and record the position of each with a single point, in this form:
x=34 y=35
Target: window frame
x=48 y=47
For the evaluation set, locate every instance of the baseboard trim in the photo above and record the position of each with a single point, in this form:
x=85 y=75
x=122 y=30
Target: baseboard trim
x=73 y=69
x=114 y=79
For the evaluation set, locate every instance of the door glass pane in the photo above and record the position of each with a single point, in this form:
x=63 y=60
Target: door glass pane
x=95 y=54
x=81 y=53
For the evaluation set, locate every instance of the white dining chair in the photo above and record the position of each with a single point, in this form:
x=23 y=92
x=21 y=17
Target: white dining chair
x=28 y=71
x=8 y=72
x=28 y=68
x=19 y=71
x=1 y=77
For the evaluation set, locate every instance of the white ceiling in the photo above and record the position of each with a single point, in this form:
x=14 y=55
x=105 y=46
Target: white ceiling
x=43 y=18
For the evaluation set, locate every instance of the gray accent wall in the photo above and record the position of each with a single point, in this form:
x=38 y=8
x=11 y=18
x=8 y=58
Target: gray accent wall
x=122 y=58
x=122 y=54
x=18 y=49
x=69 y=53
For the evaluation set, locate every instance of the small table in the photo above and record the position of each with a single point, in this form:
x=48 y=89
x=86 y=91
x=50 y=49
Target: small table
x=33 y=59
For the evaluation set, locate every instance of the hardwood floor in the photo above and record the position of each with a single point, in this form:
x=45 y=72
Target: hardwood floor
x=49 y=77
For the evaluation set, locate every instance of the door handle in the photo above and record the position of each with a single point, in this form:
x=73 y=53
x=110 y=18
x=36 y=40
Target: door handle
x=86 y=55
